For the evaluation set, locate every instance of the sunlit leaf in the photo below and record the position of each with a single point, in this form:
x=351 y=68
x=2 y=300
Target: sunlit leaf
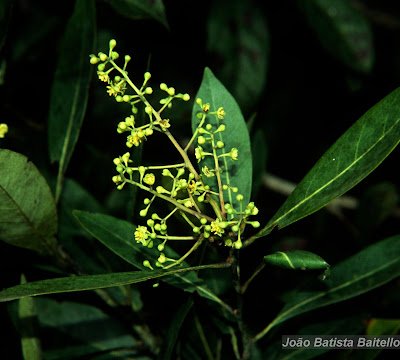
x=69 y=92
x=28 y=216
x=372 y=267
x=235 y=173
x=350 y=159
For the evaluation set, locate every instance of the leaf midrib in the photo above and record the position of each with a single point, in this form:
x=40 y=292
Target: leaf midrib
x=347 y=283
x=200 y=288
x=336 y=177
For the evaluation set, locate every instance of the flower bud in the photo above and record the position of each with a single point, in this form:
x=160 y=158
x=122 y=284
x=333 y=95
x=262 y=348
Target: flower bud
x=186 y=97
x=149 y=179
x=143 y=212
x=112 y=44
x=103 y=57
x=171 y=91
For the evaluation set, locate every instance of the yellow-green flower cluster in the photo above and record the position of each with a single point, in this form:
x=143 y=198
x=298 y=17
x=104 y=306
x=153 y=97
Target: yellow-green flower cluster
x=3 y=130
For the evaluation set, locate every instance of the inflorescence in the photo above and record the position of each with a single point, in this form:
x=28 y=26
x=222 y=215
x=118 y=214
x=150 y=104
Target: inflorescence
x=188 y=190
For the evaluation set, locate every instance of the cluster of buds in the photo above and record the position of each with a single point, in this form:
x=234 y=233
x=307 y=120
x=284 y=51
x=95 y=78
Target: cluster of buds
x=186 y=189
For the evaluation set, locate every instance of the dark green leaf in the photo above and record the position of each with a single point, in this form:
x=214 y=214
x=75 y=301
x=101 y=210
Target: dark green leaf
x=375 y=206
x=27 y=315
x=234 y=173
x=69 y=92
x=350 y=159
x=5 y=16
x=342 y=30
x=28 y=216
x=174 y=329
x=118 y=236
x=79 y=330
x=370 y=268
x=296 y=260
x=239 y=39
x=378 y=326
x=88 y=282
x=141 y=9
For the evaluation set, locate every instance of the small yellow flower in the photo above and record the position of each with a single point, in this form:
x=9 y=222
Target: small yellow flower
x=3 y=130
x=221 y=113
x=149 y=179
x=234 y=154
x=207 y=172
x=103 y=76
x=133 y=139
x=198 y=152
x=216 y=229
x=206 y=107
x=141 y=234
x=164 y=123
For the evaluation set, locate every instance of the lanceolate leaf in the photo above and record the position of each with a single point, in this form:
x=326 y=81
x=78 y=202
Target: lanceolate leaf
x=27 y=317
x=89 y=282
x=370 y=268
x=342 y=30
x=296 y=260
x=353 y=156
x=28 y=216
x=69 y=92
x=118 y=236
x=234 y=173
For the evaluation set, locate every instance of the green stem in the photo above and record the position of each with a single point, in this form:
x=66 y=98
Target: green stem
x=160 y=167
x=186 y=159
x=193 y=248
x=183 y=238
x=203 y=338
x=247 y=283
x=217 y=173
x=166 y=198
x=196 y=132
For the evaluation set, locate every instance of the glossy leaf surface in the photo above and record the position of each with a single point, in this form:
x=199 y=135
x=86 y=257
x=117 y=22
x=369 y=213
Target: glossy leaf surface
x=87 y=282
x=118 y=236
x=342 y=30
x=28 y=216
x=350 y=159
x=236 y=173
x=69 y=92
x=372 y=267
x=296 y=260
